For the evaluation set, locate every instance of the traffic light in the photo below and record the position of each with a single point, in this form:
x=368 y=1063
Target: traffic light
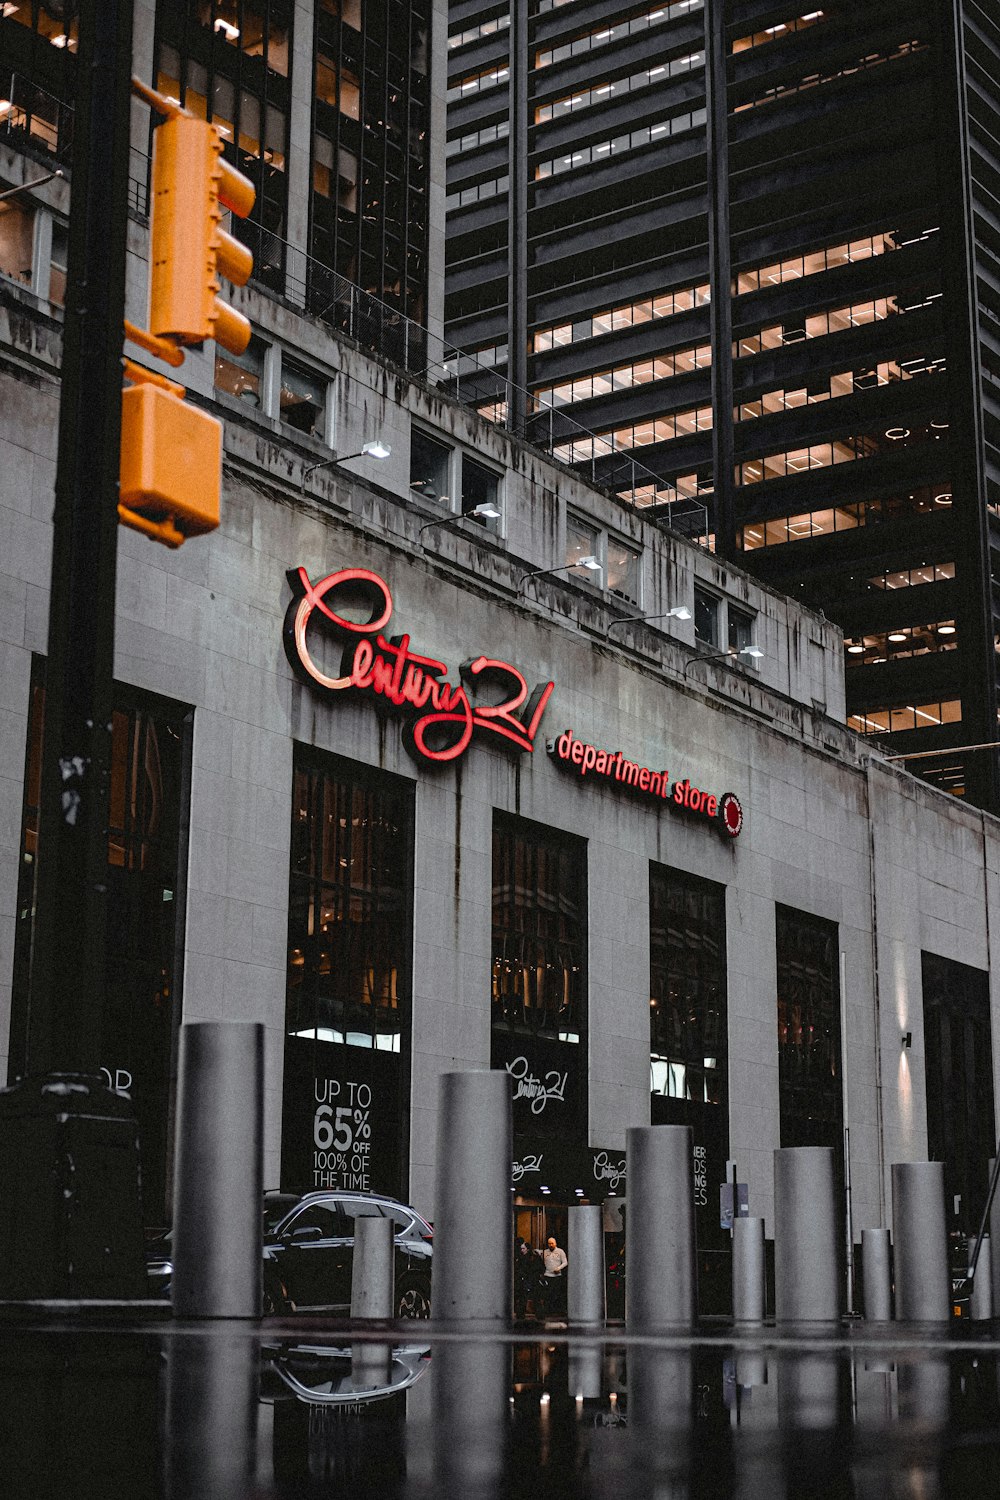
x=188 y=251
x=171 y=451
x=171 y=461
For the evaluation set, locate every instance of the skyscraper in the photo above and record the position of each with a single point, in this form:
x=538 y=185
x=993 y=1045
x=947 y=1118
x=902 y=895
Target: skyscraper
x=758 y=250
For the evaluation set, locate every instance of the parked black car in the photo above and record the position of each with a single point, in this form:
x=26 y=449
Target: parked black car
x=309 y=1252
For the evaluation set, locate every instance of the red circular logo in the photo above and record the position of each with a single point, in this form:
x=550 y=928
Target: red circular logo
x=730 y=814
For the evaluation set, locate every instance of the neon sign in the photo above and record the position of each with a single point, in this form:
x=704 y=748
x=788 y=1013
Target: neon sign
x=724 y=811
x=443 y=716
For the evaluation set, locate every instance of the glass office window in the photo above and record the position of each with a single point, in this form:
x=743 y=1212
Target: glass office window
x=809 y=1059
x=347 y=1012
x=430 y=466
x=958 y=1068
x=539 y=972
x=706 y=617
x=147 y=816
x=302 y=399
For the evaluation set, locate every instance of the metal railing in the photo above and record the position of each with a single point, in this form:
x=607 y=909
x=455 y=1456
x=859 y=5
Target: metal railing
x=30 y=116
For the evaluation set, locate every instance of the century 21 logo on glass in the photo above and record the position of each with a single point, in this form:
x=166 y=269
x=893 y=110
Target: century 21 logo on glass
x=443 y=716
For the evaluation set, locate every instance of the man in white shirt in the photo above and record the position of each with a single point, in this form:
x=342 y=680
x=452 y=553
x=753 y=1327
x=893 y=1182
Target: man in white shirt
x=555 y=1264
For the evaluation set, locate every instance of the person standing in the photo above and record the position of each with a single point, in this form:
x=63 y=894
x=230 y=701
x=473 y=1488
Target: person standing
x=526 y=1277
x=555 y=1280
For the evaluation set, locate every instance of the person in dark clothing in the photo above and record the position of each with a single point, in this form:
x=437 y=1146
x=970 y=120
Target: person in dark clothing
x=527 y=1272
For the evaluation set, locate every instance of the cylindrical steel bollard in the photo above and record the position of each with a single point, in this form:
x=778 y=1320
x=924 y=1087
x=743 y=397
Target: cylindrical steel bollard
x=218 y=1171
x=212 y=1402
x=372 y=1268
x=806 y=1283
x=993 y=1230
x=660 y=1283
x=876 y=1256
x=981 y=1308
x=472 y=1203
x=748 y=1270
x=920 y=1239
x=585 y=1368
x=585 y=1250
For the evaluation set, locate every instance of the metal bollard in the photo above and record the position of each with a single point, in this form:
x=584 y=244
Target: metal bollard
x=981 y=1307
x=806 y=1283
x=993 y=1230
x=876 y=1255
x=372 y=1268
x=585 y=1251
x=371 y=1368
x=472 y=1202
x=660 y=1284
x=585 y=1369
x=212 y=1401
x=748 y=1270
x=471 y=1426
x=920 y=1237
x=217 y=1256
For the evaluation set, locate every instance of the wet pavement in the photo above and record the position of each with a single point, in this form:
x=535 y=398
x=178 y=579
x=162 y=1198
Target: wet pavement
x=312 y=1409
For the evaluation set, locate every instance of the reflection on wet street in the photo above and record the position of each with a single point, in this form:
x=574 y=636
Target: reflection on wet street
x=307 y=1411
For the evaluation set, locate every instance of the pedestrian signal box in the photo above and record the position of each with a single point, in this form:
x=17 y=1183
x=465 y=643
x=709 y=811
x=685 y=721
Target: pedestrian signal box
x=171 y=465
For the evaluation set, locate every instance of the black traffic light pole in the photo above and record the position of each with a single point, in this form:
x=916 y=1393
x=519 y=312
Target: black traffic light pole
x=70 y=1224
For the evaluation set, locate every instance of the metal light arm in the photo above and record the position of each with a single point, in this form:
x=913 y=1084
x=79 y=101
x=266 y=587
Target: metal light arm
x=730 y=651
x=26 y=187
x=478 y=513
x=591 y=564
x=680 y=613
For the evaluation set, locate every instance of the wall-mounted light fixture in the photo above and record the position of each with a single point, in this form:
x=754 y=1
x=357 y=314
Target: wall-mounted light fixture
x=484 y=512
x=36 y=182
x=374 y=449
x=907 y=1040
x=592 y=564
x=752 y=653
x=680 y=613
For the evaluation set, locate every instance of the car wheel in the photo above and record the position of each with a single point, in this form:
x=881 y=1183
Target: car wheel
x=413 y=1297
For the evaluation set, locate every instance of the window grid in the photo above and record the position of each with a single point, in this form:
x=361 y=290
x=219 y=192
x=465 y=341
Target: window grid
x=370 y=157
x=625 y=315
x=841 y=451
x=539 y=932
x=688 y=1026
x=844 y=383
x=795 y=528
x=227 y=61
x=632 y=27
x=905 y=717
x=827 y=258
x=630 y=141
x=624 y=377
x=597 y=93
x=348 y=906
x=834 y=320
x=809 y=1061
x=875 y=647
x=638 y=435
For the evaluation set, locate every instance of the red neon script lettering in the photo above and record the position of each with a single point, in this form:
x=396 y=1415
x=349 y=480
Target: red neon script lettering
x=417 y=684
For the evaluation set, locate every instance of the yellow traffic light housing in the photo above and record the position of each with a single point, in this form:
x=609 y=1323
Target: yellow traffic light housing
x=171 y=461
x=189 y=253
x=171 y=453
